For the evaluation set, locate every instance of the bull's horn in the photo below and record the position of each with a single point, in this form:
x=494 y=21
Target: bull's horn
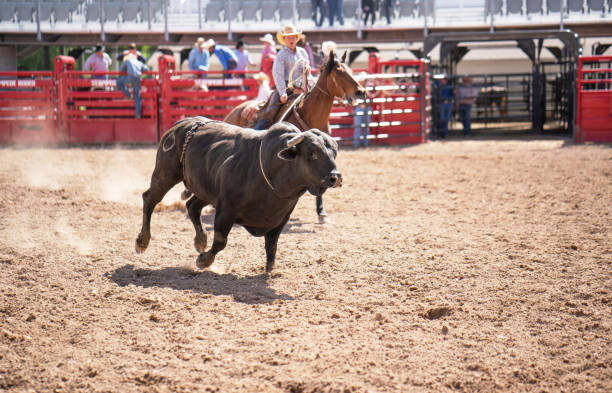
x=295 y=140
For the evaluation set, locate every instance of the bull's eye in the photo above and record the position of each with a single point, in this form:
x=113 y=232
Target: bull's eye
x=312 y=156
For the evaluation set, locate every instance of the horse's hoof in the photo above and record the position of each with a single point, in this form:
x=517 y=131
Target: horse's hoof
x=324 y=219
x=199 y=243
x=141 y=245
x=205 y=260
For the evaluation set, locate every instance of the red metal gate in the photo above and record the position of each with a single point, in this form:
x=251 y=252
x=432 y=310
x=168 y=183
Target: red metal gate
x=400 y=104
x=93 y=110
x=594 y=109
x=195 y=93
x=27 y=108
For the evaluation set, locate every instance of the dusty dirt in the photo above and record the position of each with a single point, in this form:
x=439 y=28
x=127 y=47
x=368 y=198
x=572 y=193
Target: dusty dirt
x=479 y=265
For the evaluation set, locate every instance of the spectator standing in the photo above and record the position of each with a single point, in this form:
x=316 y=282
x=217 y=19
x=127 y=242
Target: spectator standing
x=361 y=122
x=388 y=6
x=335 y=11
x=369 y=8
x=317 y=12
x=327 y=47
x=99 y=61
x=242 y=56
x=466 y=95
x=446 y=95
x=289 y=56
x=199 y=58
x=134 y=68
x=268 y=54
x=225 y=55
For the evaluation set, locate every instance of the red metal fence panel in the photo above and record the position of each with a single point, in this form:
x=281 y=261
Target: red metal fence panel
x=28 y=108
x=87 y=107
x=594 y=109
x=400 y=104
x=193 y=93
x=94 y=110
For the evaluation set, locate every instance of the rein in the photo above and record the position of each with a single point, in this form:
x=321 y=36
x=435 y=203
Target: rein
x=261 y=167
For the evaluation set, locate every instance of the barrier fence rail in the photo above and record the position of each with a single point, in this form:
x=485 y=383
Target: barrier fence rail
x=594 y=114
x=28 y=111
x=68 y=106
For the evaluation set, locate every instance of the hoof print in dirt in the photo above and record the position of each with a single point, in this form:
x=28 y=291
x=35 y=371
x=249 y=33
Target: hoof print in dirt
x=437 y=313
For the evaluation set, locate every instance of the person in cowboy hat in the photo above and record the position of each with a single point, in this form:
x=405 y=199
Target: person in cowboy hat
x=289 y=56
x=199 y=58
x=269 y=48
x=225 y=55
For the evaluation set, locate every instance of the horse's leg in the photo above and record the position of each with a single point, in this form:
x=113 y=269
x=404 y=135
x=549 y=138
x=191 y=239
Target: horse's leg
x=163 y=179
x=194 y=209
x=323 y=218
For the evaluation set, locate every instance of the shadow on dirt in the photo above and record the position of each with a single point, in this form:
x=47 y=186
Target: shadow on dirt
x=250 y=289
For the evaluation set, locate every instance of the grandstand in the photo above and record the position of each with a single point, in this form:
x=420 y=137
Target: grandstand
x=219 y=16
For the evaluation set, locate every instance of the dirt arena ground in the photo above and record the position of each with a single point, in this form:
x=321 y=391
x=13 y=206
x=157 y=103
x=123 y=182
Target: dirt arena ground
x=466 y=265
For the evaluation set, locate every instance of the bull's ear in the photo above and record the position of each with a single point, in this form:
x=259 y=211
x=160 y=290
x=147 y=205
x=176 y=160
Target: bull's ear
x=288 y=153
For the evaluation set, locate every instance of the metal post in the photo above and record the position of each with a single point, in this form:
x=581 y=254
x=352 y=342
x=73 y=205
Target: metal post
x=563 y=4
x=359 y=20
x=229 y=19
x=166 y=33
x=200 y=14
x=149 y=13
x=294 y=13
x=38 y=33
x=102 y=35
x=425 y=30
x=491 y=8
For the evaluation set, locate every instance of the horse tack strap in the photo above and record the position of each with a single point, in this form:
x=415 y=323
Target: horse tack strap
x=303 y=124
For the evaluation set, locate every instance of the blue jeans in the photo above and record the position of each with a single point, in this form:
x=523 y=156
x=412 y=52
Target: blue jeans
x=464 y=115
x=362 y=129
x=334 y=9
x=445 y=115
x=122 y=82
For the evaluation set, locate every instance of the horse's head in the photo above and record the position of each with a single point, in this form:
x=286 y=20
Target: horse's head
x=340 y=81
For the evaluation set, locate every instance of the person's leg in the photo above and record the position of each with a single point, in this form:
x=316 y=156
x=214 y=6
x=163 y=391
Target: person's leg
x=388 y=5
x=332 y=5
x=269 y=111
x=137 y=103
x=122 y=85
x=445 y=111
x=468 y=120
x=340 y=12
x=357 y=132
x=366 y=130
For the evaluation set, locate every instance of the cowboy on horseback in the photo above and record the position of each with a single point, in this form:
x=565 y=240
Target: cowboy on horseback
x=290 y=60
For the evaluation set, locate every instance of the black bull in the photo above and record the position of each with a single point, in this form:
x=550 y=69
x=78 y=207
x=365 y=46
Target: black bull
x=252 y=178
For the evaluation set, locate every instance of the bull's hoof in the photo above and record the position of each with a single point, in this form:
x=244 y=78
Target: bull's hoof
x=205 y=260
x=199 y=242
x=324 y=219
x=141 y=244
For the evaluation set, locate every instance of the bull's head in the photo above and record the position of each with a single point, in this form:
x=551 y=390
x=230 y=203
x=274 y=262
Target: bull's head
x=313 y=153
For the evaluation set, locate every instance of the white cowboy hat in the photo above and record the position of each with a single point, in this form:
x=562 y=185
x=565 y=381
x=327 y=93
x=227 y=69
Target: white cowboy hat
x=199 y=42
x=261 y=76
x=288 y=30
x=328 y=46
x=209 y=43
x=267 y=38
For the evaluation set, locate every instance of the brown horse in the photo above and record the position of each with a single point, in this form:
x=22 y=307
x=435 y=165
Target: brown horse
x=335 y=80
